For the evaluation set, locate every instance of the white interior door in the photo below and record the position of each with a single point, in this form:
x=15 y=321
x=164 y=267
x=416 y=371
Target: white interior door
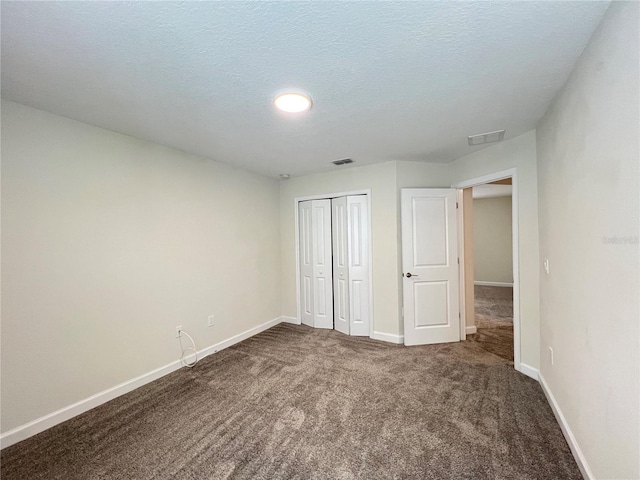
x=358 y=258
x=322 y=264
x=341 y=304
x=306 y=262
x=430 y=266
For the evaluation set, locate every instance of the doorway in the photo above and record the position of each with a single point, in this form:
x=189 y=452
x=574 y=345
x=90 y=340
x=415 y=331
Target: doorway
x=493 y=303
x=491 y=243
x=333 y=260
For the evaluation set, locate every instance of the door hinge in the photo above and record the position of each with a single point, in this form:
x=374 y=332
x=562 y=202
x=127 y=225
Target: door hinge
x=456 y=204
x=458 y=260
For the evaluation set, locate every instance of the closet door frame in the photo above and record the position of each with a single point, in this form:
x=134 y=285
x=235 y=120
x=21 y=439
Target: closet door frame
x=296 y=201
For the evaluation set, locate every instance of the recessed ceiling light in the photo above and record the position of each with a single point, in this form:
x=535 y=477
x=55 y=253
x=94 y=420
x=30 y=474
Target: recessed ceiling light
x=292 y=101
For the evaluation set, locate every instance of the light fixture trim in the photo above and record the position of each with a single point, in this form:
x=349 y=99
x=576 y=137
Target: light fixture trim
x=292 y=101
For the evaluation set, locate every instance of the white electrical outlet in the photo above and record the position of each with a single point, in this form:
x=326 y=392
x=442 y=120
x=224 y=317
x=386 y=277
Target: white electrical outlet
x=551 y=355
x=211 y=320
x=178 y=331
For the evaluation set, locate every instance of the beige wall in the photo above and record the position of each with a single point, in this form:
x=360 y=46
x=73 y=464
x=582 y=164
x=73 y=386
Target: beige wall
x=381 y=180
x=519 y=153
x=384 y=181
x=108 y=243
x=588 y=156
x=492 y=240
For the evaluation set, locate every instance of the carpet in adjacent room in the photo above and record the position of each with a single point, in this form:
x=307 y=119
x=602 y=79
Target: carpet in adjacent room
x=494 y=320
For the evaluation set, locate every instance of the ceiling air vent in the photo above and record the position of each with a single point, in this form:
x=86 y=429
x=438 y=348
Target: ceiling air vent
x=488 y=137
x=344 y=161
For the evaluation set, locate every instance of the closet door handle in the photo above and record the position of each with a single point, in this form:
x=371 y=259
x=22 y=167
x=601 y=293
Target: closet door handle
x=409 y=275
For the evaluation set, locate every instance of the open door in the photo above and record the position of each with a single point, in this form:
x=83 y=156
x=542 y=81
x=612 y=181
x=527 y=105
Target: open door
x=430 y=266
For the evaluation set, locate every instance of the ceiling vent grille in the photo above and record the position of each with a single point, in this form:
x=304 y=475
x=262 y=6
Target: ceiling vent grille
x=488 y=137
x=344 y=161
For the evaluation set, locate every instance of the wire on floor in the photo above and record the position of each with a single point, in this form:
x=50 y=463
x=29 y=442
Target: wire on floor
x=185 y=351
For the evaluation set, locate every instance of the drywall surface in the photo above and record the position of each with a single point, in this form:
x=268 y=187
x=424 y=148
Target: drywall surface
x=108 y=243
x=588 y=156
x=519 y=153
x=384 y=181
x=380 y=179
x=492 y=240
x=389 y=80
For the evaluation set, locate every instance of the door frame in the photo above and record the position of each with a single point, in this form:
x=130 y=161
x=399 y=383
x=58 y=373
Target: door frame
x=488 y=178
x=462 y=290
x=296 y=201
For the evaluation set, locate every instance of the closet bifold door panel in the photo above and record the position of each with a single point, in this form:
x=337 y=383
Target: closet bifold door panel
x=334 y=264
x=316 y=289
x=306 y=263
x=322 y=268
x=358 y=263
x=351 y=264
x=341 y=303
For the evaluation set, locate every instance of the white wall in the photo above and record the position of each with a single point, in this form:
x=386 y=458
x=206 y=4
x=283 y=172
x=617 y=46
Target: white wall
x=519 y=153
x=588 y=156
x=384 y=180
x=108 y=243
x=381 y=180
x=492 y=240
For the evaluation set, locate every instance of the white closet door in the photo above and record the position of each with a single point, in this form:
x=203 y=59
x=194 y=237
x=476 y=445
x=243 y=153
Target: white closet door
x=306 y=262
x=322 y=264
x=342 y=302
x=358 y=258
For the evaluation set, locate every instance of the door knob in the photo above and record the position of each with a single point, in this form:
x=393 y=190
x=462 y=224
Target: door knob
x=409 y=275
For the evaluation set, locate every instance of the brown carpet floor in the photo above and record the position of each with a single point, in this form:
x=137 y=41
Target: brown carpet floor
x=299 y=403
x=494 y=320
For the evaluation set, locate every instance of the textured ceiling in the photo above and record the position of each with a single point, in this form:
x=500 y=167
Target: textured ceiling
x=389 y=81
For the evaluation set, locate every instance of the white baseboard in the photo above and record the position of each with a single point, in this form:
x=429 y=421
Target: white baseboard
x=293 y=320
x=492 y=284
x=566 y=431
x=529 y=371
x=471 y=330
x=47 y=421
x=388 y=337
